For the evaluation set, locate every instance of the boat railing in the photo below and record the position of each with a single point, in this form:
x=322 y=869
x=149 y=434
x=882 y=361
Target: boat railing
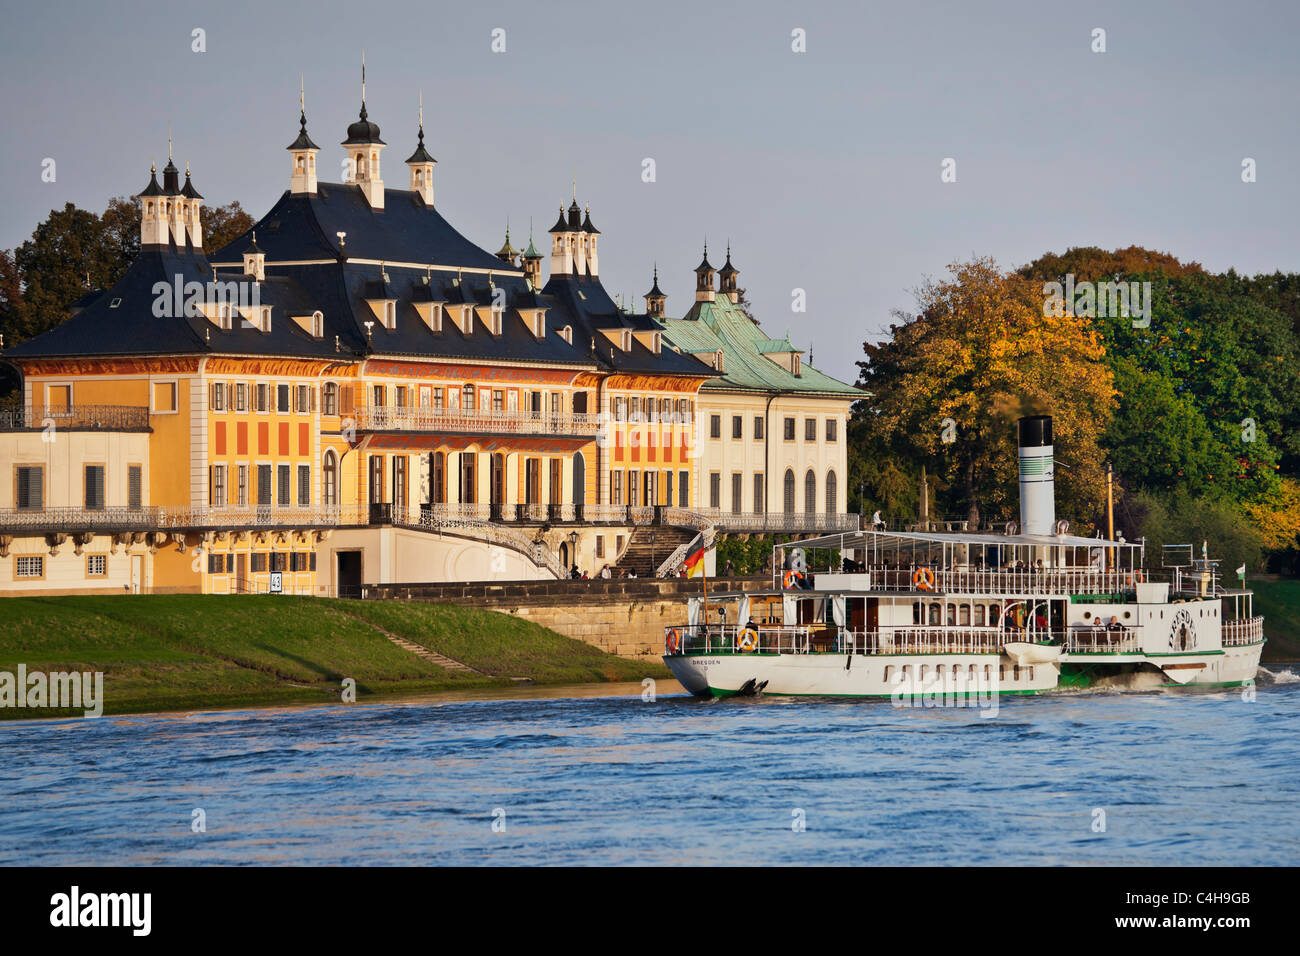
x=1249 y=630
x=735 y=638
x=831 y=639
x=1100 y=640
x=998 y=581
x=928 y=640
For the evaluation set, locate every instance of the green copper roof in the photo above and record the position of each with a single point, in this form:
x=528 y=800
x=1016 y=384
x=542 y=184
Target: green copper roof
x=711 y=326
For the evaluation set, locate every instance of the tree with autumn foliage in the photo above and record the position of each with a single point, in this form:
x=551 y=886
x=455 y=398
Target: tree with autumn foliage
x=981 y=351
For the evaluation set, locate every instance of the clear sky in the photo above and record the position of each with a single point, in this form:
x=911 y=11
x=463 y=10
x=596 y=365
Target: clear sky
x=822 y=167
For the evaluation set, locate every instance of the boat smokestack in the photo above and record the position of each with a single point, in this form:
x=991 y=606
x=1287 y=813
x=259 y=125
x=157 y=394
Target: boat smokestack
x=1037 y=481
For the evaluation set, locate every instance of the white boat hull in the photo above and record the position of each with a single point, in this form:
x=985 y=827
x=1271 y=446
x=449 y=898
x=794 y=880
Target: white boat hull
x=955 y=676
x=859 y=675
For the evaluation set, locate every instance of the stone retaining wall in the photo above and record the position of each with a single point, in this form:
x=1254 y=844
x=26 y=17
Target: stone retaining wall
x=626 y=617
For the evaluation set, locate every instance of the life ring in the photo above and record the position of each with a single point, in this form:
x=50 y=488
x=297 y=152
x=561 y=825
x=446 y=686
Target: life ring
x=1137 y=576
x=674 y=641
x=749 y=639
x=923 y=578
x=793 y=579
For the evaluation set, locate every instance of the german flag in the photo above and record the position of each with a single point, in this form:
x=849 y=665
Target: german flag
x=695 y=558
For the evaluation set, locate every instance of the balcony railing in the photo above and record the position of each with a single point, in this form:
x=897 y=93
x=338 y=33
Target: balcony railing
x=108 y=418
x=781 y=521
x=495 y=421
x=1248 y=630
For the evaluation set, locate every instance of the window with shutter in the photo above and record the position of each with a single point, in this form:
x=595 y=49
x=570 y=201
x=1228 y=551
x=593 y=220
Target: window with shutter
x=282 y=481
x=263 y=484
x=134 y=487
x=31 y=487
x=94 y=488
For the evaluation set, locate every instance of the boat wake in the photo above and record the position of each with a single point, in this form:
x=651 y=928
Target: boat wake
x=1266 y=676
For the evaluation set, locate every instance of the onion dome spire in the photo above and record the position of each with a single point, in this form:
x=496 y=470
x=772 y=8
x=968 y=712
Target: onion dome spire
x=303 y=141
x=654 y=289
x=704 y=265
x=728 y=269
x=507 y=252
x=531 y=252
x=363 y=131
x=421 y=155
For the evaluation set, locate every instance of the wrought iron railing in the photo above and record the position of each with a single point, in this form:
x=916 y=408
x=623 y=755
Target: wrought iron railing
x=109 y=418
x=399 y=418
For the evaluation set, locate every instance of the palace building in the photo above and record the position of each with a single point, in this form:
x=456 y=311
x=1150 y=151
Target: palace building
x=355 y=393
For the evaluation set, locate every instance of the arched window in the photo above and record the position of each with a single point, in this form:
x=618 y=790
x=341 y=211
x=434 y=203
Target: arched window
x=331 y=473
x=810 y=492
x=789 y=491
x=832 y=493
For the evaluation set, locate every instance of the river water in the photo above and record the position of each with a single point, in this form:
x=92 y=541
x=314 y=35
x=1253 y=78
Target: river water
x=1076 y=778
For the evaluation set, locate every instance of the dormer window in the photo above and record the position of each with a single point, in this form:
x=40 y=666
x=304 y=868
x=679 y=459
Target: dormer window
x=717 y=360
x=313 y=325
x=796 y=363
x=390 y=314
x=627 y=340
x=494 y=321
x=567 y=334
x=435 y=317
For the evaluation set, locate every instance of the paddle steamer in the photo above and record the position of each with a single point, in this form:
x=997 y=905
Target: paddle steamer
x=1028 y=610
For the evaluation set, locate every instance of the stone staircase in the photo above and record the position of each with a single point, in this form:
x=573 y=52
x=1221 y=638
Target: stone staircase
x=645 y=553
x=433 y=657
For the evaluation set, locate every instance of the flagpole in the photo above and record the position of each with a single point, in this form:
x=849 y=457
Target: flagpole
x=704 y=569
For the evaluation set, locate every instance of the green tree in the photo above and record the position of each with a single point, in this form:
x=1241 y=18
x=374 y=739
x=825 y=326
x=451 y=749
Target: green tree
x=223 y=224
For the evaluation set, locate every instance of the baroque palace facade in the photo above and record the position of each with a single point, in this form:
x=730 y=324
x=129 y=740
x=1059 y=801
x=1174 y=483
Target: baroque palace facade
x=353 y=393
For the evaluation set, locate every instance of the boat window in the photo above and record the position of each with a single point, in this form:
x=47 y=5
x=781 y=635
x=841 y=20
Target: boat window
x=917 y=611
x=979 y=615
x=1031 y=673
x=934 y=614
x=1002 y=672
x=952 y=615
x=965 y=615
x=888 y=672
x=1015 y=673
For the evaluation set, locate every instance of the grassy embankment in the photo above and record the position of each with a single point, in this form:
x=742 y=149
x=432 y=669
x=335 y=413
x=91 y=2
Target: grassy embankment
x=1279 y=602
x=179 y=652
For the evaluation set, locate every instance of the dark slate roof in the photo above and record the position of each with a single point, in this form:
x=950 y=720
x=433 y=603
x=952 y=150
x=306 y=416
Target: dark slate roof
x=590 y=310
x=560 y=224
x=305 y=227
x=704 y=264
x=188 y=189
x=122 y=321
x=153 y=189
x=587 y=226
